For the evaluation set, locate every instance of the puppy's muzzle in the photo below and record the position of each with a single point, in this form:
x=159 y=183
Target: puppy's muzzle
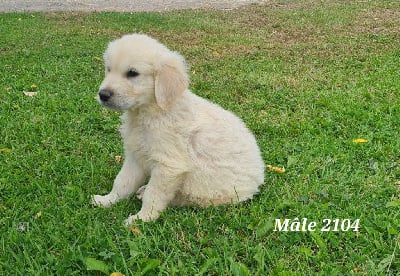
x=105 y=95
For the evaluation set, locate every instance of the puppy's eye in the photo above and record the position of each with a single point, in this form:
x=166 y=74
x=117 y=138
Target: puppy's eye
x=132 y=74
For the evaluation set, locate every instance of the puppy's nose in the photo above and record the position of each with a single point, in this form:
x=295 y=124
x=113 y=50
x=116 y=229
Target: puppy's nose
x=105 y=94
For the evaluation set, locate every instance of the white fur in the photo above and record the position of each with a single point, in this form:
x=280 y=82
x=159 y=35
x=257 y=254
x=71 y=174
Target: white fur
x=192 y=151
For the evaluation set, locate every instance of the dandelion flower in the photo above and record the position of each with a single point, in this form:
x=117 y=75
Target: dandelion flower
x=216 y=54
x=275 y=169
x=118 y=158
x=117 y=274
x=360 y=141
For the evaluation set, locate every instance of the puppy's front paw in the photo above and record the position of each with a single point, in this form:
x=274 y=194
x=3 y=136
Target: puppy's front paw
x=130 y=220
x=101 y=201
x=145 y=217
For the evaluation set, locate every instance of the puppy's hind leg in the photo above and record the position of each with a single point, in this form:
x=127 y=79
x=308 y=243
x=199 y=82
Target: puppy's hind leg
x=128 y=180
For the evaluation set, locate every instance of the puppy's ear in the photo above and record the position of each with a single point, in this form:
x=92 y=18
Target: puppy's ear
x=171 y=80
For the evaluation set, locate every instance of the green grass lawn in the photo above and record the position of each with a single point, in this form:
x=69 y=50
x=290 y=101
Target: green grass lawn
x=307 y=78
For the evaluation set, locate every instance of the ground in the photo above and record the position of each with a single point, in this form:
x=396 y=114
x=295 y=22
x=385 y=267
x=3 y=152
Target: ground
x=317 y=82
x=119 y=5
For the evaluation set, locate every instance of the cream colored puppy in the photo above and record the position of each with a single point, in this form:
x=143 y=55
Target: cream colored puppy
x=192 y=151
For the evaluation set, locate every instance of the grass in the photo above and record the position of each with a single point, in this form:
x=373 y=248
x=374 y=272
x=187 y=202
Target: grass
x=308 y=77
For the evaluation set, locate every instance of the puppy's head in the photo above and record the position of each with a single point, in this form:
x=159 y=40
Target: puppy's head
x=140 y=71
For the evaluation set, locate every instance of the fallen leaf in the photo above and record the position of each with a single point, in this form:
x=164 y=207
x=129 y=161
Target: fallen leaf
x=394 y=203
x=38 y=215
x=98 y=58
x=5 y=150
x=23 y=226
x=30 y=93
x=275 y=169
x=33 y=87
x=135 y=231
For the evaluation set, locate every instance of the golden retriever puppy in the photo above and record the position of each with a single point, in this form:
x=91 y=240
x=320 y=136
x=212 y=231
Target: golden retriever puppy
x=192 y=151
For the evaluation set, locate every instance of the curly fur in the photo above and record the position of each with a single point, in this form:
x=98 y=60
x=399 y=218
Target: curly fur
x=192 y=151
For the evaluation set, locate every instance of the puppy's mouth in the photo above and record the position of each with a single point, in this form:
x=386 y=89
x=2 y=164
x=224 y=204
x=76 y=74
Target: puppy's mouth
x=111 y=100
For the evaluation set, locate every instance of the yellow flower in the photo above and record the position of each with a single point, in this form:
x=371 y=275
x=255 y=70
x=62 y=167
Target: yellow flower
x=118 y=158
x=360 y=140
x=117 y=274
x=33 y=86
x=275 y=169
x=216 y=54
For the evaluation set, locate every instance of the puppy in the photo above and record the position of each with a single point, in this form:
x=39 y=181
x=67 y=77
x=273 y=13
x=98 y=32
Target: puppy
x=192 y=151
